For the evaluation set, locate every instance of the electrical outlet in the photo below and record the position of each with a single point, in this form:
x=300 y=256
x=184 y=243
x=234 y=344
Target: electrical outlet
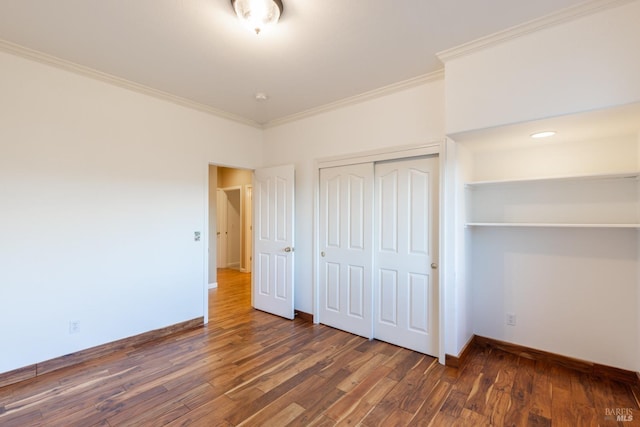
x=74 y=326
x=196 y=236
x=511 y=319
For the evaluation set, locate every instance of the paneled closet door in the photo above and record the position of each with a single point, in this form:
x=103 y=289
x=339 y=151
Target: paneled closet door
x=406 y=242
x=346 y=216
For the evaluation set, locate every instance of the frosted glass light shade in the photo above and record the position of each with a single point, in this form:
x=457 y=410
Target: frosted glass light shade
x=258 y=14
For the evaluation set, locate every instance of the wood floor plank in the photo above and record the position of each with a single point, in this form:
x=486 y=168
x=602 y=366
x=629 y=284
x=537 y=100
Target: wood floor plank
x=316 y=404
x=603 y=400
x=31 y=417
x=284 y=416
x=355 y=396
x=194 y=395
x=284 y=406
x=402 y=362
x=472 y=418
x=482 y=389
x=454 y=404
x=561 y=407
x=247 y=367
x=500 y=407
x=211 y=413
x=521 y=393
x=363 y=372
x=372 y=398
x=253 y=406
x=398 y=418
x=508 y=367
x=432 y=404
x=79 y=407
x=340 y=360
x=635 y=392
x=542 y=392
x=422 y=378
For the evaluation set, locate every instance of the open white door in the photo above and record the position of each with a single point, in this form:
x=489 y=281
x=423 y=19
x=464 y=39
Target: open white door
x=273 y=240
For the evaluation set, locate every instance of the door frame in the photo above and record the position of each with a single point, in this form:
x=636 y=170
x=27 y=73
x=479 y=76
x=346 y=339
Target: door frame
x=437 y=147
x=208 y=206
x=221 y=224
x=247 y=200
x=237 y=188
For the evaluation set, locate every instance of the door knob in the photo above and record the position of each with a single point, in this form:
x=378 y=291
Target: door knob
x=322 y=254
x=434 y=265
x=288 y=249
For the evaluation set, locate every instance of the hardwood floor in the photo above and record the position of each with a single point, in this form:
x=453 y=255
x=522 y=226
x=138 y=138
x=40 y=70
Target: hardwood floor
x=251 y=368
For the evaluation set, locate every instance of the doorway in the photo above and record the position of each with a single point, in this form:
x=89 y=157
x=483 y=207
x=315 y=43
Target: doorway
x=271 y=273
x=230 y=221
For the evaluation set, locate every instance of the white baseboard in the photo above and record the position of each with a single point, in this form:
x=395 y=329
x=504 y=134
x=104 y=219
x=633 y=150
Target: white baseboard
x=213 y=285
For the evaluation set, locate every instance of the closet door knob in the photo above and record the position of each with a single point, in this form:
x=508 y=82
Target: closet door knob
x=434 y=265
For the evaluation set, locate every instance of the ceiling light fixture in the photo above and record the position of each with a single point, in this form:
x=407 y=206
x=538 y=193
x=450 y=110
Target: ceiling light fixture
x=545 y=134
x=258 y=14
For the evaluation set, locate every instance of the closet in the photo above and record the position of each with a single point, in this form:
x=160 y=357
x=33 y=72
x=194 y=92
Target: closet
x=378 y=246
x=551 y=234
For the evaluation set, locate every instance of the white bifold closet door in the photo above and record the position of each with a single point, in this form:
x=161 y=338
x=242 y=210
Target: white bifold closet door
x=378 y=243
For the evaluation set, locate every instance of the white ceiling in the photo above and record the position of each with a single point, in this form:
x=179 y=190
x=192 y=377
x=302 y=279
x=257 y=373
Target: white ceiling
x=322 y=51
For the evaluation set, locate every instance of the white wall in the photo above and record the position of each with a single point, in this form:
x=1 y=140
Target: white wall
x=461 y=309
x=590 y=63
x=413 y=116
x=101 y=190
x=573 y=291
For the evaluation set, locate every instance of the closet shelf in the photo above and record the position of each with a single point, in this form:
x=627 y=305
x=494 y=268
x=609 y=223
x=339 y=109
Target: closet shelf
x=548 y=225
x=620 y=175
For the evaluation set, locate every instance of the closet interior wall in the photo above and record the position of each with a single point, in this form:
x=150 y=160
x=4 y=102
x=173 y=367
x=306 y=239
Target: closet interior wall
x=552 y=264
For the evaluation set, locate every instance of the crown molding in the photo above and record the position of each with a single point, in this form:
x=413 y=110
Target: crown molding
x=54 y=61
x=66 y=65
x=356 y=99
x=562 y=16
